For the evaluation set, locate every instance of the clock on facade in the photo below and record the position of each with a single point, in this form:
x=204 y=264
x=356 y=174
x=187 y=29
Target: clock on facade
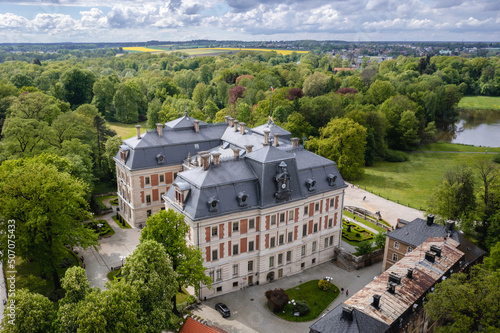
x=282 y=180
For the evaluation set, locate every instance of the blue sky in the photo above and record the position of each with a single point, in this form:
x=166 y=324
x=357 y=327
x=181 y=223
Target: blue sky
x=179 y=20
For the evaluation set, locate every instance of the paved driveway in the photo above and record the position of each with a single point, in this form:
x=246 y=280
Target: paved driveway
x=249 y=312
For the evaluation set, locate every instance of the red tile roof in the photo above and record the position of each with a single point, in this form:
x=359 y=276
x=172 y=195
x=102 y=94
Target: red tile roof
x=193 y=326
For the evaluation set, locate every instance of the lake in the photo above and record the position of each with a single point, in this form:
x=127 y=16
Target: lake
x=474 y=127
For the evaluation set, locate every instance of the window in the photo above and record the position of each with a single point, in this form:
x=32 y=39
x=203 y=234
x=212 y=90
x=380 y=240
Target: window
x=147 y=181
x=290 y=237
x=271 y=261
x=303 y=250
x=331 y=202
x=289 y=256
x=235 y=269
x=250 y=246
x=236 y=226
x=273 y=219
x=179 y=197
x=326 y=242
x=304 y=230
x=306 y=210
x=250 y=266
x=282 y=240
x=161 y=196
x=282 y=217
x=409 y=249
x=314 y=246
x=331 y=240
x=290 y=215
x=219 y=289
x=219 y=274
x=330 y=223
x=316 y=206
x=273 y=242
x=251 y=223
x=302 y=265
x=148 y=213
x=395 y=257
x=214 y=255
x=235 y=249
x=235 y=284
x=315 y=227
x=211 y=274
x=215 y=231
x=314 y=261
x=148 y=199
x=175 y=174
x=280 y=259
x=162 y=178
x=396 y=245
x=280 y=273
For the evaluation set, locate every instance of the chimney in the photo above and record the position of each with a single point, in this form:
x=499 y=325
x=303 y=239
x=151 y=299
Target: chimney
x=248 y=148
x=196 y=125
x=242 y=128
x=430 y=219
x=347 y=312
x=138 y=128
x=409 y=274
x=205 y=161
x=276 y=139
x=231 y=119
x=236 y=152
x=430 y=256
x=436 y=249
x=227 y=119
x=376 y=301
x=395 y=277
x=266 y=136
x=295 y=142
x=216 y=158
x=159 y=129
x=236 y=125
x=392 y=287
x=450 y=225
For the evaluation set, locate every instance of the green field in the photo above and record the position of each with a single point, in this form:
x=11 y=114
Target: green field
x=480 y=102
x=413 y=182
x=126 y=131
x=446 y=146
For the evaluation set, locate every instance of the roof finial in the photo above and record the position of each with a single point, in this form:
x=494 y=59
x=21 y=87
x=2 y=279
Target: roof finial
x=186 y=110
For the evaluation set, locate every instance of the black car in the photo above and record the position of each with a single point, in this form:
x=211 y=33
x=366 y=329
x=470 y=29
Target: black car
x=223 y=310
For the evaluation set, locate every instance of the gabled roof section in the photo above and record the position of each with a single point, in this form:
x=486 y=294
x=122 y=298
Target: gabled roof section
x=183 y=123
x=417 y=232
x=193 y=326
x=226 y=172
x=273 y=128
x=269 y=154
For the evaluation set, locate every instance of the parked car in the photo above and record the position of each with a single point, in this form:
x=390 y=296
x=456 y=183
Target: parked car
x=223 y=310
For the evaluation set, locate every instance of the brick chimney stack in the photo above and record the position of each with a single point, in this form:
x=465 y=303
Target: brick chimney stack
x=295 y=142
x=159 y=129
x=242 y=128
x=248 y=148
x=266 y=136
x=236 y=125
x=138 y=128
x=196 y=126
x=236 y=152
x=276 y=139
x=205 y=159
x=216 y=158
x=231 y=119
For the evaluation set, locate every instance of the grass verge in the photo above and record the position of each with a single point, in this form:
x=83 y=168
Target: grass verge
x=122 y=224
x=365 y=222
x=317 y=299
x=126 y=131
x=480 y=102
x=446 y=146
x=413 y=182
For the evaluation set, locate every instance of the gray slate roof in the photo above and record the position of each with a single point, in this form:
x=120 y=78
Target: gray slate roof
x=361 y=323
x=273 y=128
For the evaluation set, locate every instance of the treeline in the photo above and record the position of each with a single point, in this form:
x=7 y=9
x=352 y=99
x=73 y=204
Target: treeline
x=396 y=101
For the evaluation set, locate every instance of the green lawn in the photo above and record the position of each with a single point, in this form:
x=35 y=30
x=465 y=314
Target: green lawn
x=480 y=102
x=29 y=275
x=126 y=131
x=317 y=299
x=413 y=181
x=446 y=146
x=104 y=231
x=365 y=222
x=125 y=225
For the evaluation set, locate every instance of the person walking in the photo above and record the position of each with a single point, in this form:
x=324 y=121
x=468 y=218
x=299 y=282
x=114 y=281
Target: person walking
x=341 y=290
x=347 y=293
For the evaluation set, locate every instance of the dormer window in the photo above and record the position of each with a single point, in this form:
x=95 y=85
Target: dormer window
x=179 y=196
x=181 y=193
x=242 y=199
x=124 y=150
x=331 y=179
x=213 y=204
x=311 y=184
x=160 y=159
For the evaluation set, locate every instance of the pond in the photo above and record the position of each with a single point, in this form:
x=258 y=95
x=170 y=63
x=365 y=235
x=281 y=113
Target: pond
x=474 y=127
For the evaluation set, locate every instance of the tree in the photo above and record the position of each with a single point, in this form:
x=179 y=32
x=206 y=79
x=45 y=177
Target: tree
x=235 y=93
x=77 y=86
x=75 y=284
x=169 y=229
x=379 y=91
x=344 y=142
x=454 y=198
x=466 y=303
x=210 y=109
x=149 y=270
x=37 y=105
x=32 y=313
x=129 y=102
x=379 y=240
x=492 y=262
x=112 y=148
x=24 y=137
x=244 y=112
x=199 y=94
x=316 y=84
x=364 y=247
x=298 y=126
x=104 y=90
x=48 y=206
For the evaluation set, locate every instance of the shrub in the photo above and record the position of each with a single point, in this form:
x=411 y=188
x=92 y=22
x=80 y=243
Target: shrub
x=324 y=284
x=301 y=307
x=358 y=235
x=380 y=240
x=276 y=299
x=496 y=158
x=396 y=156
x=364 y=248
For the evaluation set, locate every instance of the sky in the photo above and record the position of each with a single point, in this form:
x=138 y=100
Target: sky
x=34 y=21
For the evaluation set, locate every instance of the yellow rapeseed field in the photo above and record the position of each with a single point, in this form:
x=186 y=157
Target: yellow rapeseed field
x=282 y=52
x=141 y=49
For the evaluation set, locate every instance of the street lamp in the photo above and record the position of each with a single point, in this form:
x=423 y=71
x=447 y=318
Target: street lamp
x=122 y=258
